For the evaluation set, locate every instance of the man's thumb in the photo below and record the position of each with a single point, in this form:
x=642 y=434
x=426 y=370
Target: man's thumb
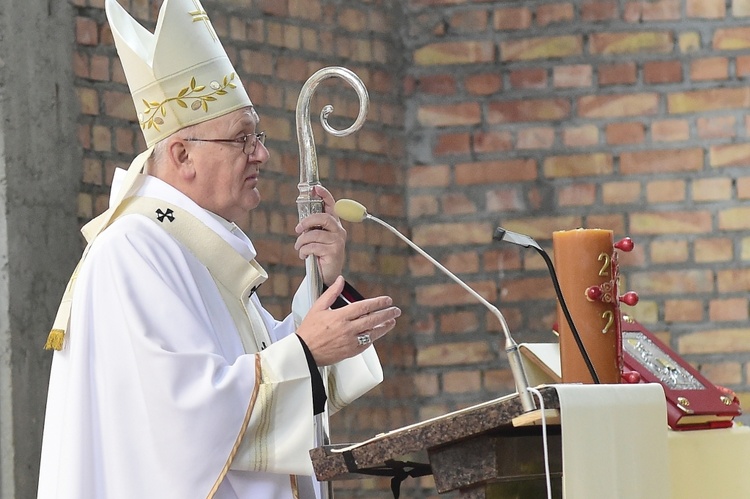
x=329 y=296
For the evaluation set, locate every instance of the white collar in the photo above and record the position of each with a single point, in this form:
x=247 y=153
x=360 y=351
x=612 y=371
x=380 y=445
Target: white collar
x=156 y=188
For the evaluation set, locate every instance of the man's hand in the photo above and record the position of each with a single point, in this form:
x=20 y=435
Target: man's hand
x=322 y=235
x=331 y=335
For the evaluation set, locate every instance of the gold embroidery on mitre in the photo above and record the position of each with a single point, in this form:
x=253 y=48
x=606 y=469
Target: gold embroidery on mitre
x=200 y=15
x=189 y=93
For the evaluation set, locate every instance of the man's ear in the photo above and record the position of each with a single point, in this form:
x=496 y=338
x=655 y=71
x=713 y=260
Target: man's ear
x=180 y=158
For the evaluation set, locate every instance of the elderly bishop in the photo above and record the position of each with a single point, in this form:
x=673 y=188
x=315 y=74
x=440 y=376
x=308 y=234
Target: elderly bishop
x=169 y=378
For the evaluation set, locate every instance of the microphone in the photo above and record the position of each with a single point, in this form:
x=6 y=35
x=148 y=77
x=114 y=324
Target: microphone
x=525 y=241
x=352 y=211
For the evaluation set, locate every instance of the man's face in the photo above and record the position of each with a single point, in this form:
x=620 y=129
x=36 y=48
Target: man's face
x=226 y=179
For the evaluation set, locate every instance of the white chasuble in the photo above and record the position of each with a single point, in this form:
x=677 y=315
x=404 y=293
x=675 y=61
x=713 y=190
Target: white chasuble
x=154 y=394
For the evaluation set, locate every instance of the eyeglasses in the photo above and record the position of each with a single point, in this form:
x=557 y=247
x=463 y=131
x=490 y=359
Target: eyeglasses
x=249 y=142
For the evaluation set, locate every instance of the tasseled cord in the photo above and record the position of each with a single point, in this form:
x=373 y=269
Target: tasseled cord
x=55 y=340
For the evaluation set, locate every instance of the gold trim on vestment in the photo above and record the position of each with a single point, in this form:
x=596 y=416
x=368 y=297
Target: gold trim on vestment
x=243 y=429
x=295 y=486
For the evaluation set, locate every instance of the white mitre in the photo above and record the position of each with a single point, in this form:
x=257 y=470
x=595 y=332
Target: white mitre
x=178 y=76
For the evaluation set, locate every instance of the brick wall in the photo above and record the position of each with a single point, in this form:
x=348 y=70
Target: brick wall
x=551 y=115
x=537 y=115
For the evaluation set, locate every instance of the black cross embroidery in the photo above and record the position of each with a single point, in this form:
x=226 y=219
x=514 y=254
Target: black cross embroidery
x=169 y=215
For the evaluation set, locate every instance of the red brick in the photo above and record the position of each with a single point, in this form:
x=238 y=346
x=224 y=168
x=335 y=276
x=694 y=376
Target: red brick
x=740 y=8
x=621 y=192
x=420 y=206
x=292 y=68
x=672 y=281
x=711 y=68
x=468 y=52
x=669 y=251
x=454 y=353
x=504 y=200
x=625 y=133
x=124 y=140
x=581 y=136
x=652 y=42
x=442 y=234
x=742 y=66
x=512 y=19
x=484 y=142
x=722 y=373
x=81 y=65
x=83 y=133
x=733 y=281
x=661 y=161
x=528 y=78
x=87 y=31
x=689 y=42
x=731 y=38
x=714 y=250
x=452 y=143
x=525 y=110
x=93 y=172
x=100 y=68
x=311 y=10
x=706 y=9
x=578 y=75
x=599 y=10
x=715 y=341
x=101 y=138
x=554 y=13
x=737 y=218
x=483 y=84
x=458 y=322
x=492 y=172
x=672 y=222
x=84 y=206
x=578 y=165
x=457 y=203
x=716 y=127
x=615 y=223
x=467 y=113
x=662 y=72
x=666 y=191
x=670 y=130
x=610 y=106
x=462 y=382
x=119 y=105
x=470 y=21
x=535 y=138
x=683 y=311
x=712 y=189
x=527 y=49
x=88 y=99
x=351 y=19
x=655 y=10
x=437 y=84
x=579 y=194
x=429 y=176
x=618 y=74
x=743 y=188
x=729 y=155
x=527 y=288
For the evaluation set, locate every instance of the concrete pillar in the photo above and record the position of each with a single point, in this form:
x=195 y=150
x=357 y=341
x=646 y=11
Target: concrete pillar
x=39 y=242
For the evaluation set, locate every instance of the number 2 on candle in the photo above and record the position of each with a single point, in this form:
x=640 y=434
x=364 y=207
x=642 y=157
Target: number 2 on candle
x=604 y=271
x=610 y=317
